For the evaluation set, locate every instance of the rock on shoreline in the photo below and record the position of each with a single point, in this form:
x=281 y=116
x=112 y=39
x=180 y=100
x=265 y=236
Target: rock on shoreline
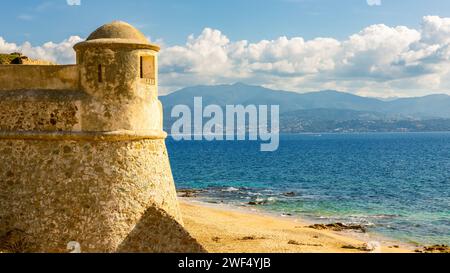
x=189 y=193
x=434 y=249
x=338 y=227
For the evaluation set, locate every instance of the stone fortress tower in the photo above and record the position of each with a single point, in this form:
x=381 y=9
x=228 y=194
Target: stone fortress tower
x=82 y=152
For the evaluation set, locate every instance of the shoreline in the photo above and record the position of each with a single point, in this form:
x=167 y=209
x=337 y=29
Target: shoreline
x=225 y=228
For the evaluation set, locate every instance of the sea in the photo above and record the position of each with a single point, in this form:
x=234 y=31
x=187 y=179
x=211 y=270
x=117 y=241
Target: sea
x=396 y=185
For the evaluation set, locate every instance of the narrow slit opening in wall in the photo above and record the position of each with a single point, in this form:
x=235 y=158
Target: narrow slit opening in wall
x=100 y=73
x=141 y=68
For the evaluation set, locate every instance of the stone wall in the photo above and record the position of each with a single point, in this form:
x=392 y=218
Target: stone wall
x=65 y=110
x=40 y=110
x=107 y=195
x=33 y=77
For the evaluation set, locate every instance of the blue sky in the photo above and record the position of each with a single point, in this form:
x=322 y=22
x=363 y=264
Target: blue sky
x=39 y=21
x=379 y=48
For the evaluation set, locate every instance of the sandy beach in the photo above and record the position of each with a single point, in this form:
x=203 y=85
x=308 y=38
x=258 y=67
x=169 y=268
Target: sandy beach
x=222 y=229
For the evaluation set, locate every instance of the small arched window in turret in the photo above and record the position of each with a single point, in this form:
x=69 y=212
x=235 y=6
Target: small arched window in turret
x=147 y=69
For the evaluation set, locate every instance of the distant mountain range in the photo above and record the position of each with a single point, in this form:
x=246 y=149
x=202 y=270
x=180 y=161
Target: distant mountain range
x=325 y=111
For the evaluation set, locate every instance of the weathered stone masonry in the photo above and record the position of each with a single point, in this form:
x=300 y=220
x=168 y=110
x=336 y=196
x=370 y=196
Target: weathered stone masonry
x=82 y=152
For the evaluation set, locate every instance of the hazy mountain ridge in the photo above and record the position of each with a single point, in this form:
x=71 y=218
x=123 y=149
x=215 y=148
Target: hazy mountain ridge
x=325 y=111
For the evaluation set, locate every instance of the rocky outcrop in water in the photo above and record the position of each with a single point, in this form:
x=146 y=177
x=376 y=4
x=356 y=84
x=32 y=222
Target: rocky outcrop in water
x=338 y=227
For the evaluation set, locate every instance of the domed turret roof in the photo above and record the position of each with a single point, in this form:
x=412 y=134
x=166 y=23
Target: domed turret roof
x=118 y=33
x=118 y=30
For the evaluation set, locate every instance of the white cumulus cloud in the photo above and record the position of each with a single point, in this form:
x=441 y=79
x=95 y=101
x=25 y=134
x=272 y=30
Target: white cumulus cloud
x=374 y=2
x=379 y=61
x=73 y=2
x=61 y=53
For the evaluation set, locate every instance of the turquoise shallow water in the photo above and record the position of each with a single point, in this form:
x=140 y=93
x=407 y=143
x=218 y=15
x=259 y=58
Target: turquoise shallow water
x=395 y=184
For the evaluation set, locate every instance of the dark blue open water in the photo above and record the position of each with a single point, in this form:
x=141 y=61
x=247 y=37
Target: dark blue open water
x=396 y=184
